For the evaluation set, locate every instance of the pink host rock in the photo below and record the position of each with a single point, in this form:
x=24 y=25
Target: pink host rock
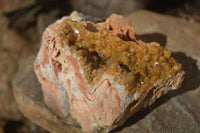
x=99 y=73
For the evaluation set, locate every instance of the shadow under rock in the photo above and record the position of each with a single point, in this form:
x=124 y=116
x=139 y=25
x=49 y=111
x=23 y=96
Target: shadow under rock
x=12 y=126
x=153 y=37
x=191 y=82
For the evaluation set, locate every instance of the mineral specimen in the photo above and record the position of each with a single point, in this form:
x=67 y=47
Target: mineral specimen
x=99 y=73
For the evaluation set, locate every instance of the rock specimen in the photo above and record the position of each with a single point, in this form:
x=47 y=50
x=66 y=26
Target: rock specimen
x=99 y=73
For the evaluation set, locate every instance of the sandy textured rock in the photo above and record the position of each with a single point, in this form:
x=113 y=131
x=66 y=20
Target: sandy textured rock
x=106 y=103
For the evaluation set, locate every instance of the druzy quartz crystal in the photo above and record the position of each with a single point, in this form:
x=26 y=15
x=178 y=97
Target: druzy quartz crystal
x=99 y=73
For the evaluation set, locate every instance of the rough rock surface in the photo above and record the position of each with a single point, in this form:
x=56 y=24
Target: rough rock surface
x=99 y=73
x=178 y=111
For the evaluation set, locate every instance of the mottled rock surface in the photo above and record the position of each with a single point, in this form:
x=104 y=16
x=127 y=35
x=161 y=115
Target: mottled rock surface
x=177 y=111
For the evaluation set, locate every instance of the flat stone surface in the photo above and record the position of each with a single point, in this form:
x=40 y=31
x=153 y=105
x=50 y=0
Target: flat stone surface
x=178 y=111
